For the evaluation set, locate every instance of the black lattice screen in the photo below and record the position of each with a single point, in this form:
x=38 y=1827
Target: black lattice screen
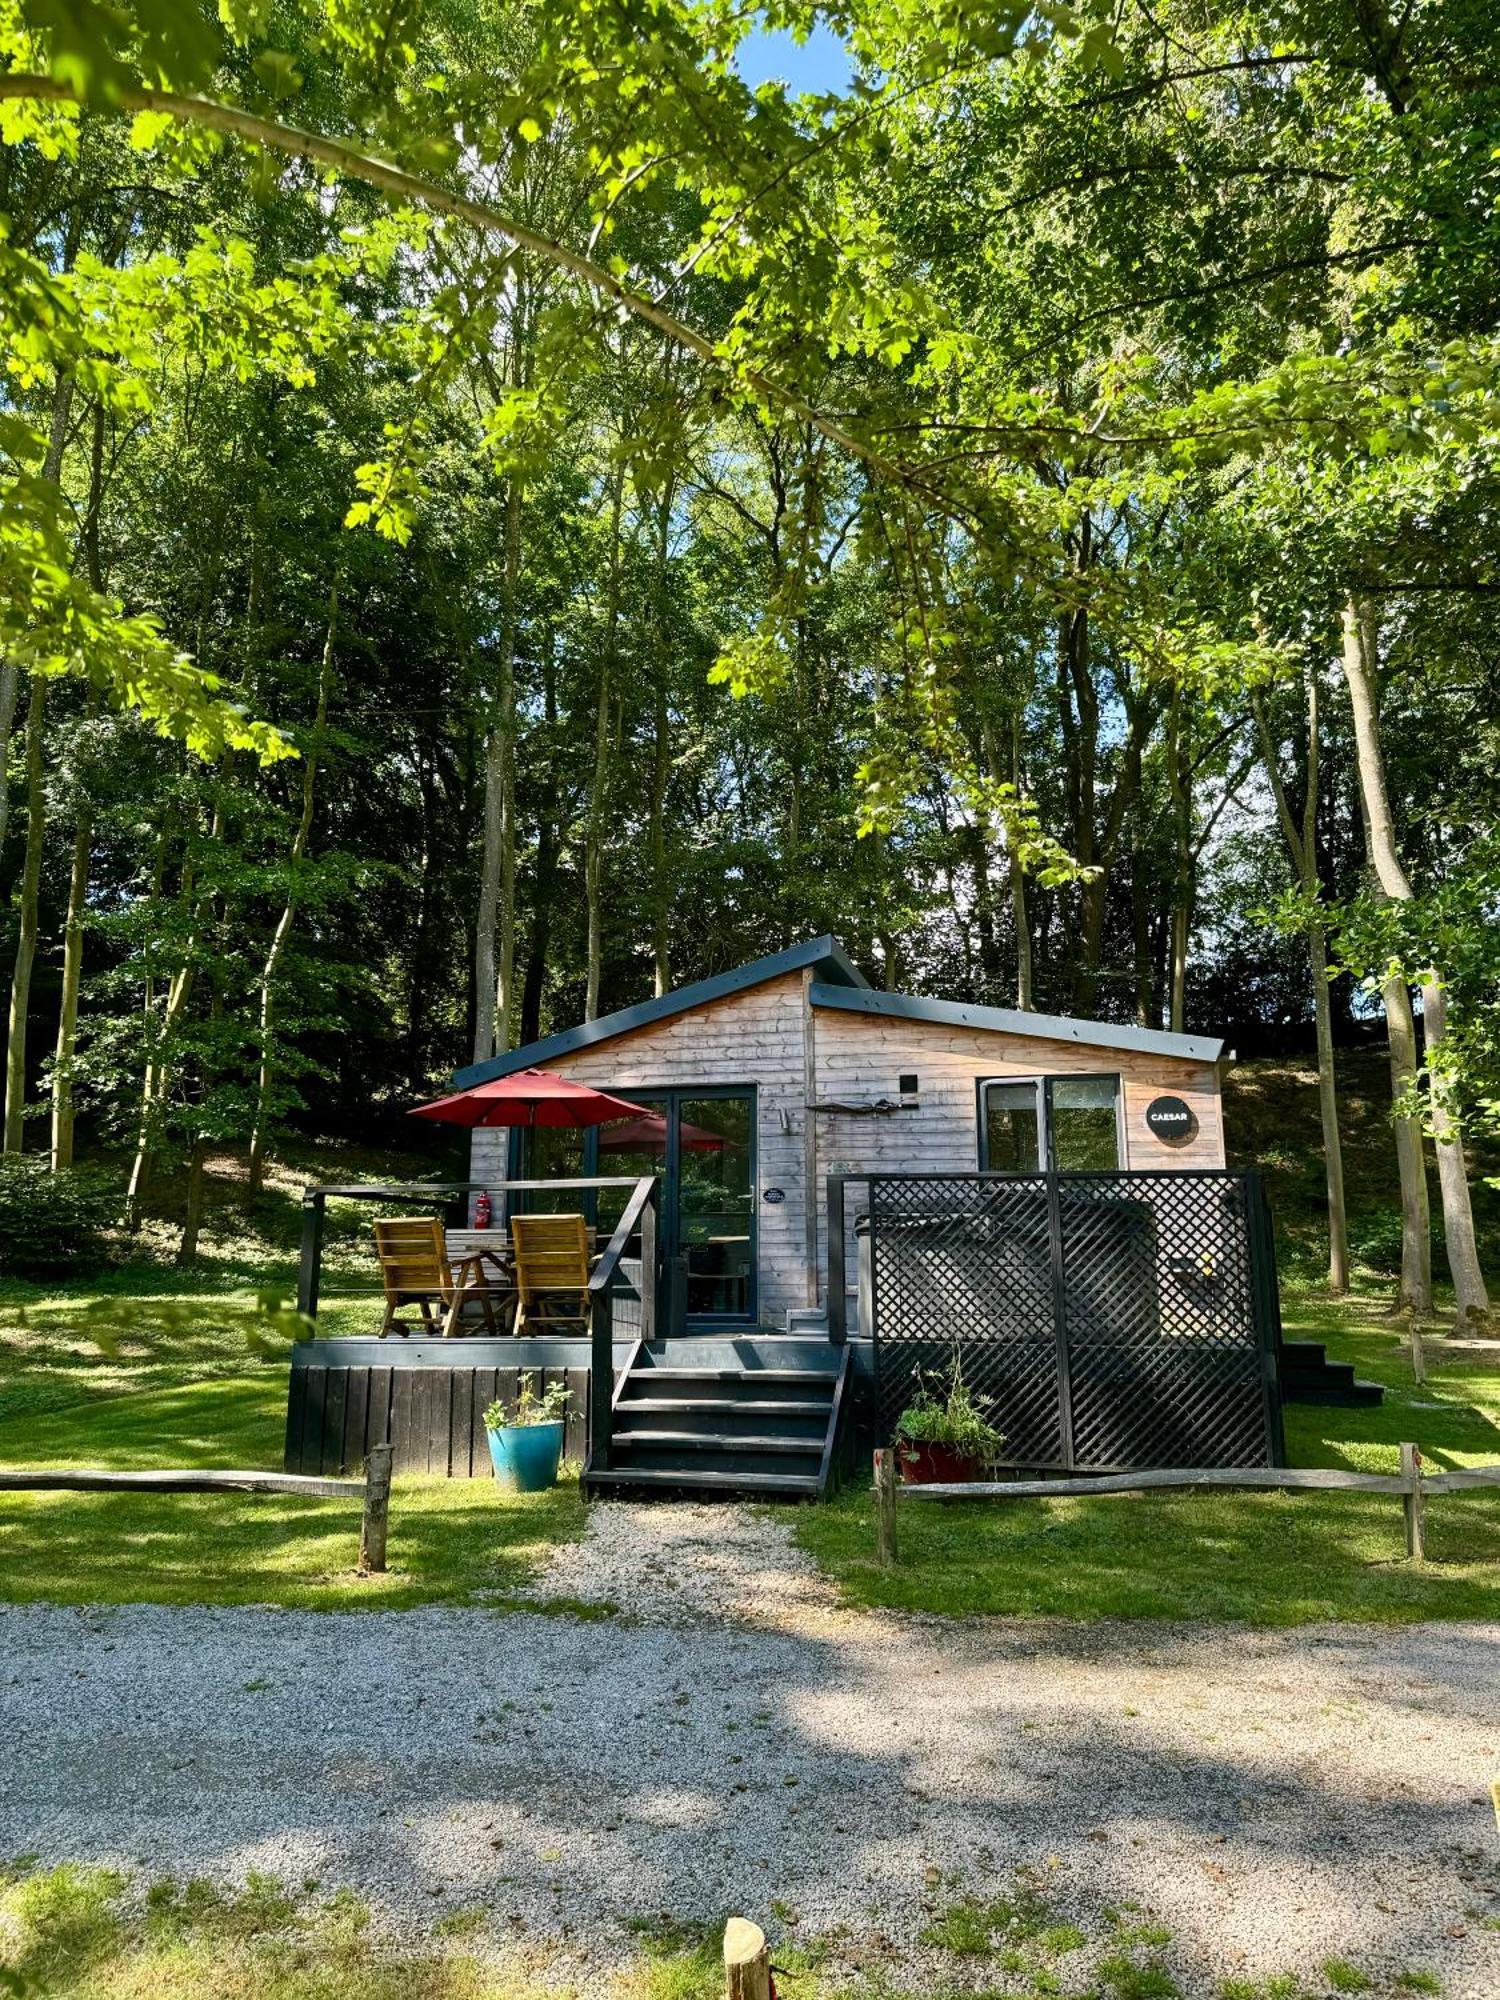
x=1112 y=1320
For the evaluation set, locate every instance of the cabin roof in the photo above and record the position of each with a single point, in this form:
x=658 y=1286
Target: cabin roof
x=825 y=955
x=840 y=984
x=1012 y=1021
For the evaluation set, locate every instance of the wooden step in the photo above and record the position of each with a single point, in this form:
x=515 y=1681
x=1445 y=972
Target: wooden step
x=660 y=1405
x=791 y=1486
x=783 y=1378
x=806 y=1447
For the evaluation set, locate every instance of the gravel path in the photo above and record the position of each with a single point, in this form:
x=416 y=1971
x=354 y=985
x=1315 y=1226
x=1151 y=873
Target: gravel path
x=730 y=1737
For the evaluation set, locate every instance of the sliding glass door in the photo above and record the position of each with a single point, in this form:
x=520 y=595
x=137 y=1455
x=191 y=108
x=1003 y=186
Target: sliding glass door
x=700 y=1143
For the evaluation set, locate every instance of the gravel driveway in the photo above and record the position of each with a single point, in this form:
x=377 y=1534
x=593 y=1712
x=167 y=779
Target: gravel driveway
x=730 y=1737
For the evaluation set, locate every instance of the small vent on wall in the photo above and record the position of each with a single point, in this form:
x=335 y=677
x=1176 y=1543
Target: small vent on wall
x=909 y=1083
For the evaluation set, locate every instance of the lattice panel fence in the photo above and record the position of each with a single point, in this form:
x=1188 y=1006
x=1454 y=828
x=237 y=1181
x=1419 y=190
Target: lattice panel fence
x=1112 y=1321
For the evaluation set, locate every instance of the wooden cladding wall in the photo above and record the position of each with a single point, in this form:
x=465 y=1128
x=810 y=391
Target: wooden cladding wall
x=754 y=1037
x=432 y=1417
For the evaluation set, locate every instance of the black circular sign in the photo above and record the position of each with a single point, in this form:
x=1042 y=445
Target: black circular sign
x=1171 y=1119
x=773 y=1195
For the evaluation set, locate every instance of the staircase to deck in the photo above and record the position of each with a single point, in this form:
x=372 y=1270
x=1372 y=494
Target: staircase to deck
x=1308 y=1376
x=761 y=1416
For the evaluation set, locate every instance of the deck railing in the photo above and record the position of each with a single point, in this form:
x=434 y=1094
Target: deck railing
x=640 y=1213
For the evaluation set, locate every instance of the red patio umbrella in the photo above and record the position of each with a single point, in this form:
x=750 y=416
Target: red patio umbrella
x=529 y=1097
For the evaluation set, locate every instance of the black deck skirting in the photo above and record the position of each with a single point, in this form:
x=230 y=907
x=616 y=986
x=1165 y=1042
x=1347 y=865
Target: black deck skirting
x=426 y=1398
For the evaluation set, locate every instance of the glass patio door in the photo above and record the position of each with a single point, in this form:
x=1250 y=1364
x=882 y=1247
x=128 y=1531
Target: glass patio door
x=712 y=1230
x=701 y=1146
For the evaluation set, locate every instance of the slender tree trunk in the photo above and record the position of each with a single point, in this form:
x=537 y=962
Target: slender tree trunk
x=1179 y=784
x=1302 y=847
x=72 y=976
x=31 y=880
x=10 y=687
x=661 y=764
x=495 y=921
x=83 y=846
x=598 y=813
x=1360 y=654
x=1140 y=934
x=1020 y=917
x=159 y=1059
x=266 y=1078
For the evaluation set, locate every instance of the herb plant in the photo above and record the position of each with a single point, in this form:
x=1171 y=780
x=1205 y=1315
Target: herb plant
x=949 y=1413
x=531 y=1408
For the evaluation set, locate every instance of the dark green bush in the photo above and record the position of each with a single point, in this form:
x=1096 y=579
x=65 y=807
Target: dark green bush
x=52 y=1223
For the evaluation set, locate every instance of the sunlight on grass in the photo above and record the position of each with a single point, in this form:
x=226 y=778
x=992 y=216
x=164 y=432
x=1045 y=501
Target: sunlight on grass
x=450 y=1539
x=1274 y=1559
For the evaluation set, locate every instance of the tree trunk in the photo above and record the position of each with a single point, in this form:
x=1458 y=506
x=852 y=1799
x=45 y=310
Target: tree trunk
x=661 y=764
x=10 y=688
x=1302 y=847
x=31 y=879
x=265 y=1081
x=1360 y=653
x=1416 y=1220
x=83 y=846
x=158 y=1061
x=1179 y=785
x=494 y=925
x=72 y=976
x=598 y=814
x=1020 y=917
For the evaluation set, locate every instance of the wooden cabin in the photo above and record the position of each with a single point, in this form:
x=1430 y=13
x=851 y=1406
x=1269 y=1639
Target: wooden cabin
x=758 y=1084
x=1048 y=1195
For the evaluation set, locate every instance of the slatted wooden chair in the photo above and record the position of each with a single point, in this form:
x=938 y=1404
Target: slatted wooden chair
x=551 y=1254
x=415 y=1270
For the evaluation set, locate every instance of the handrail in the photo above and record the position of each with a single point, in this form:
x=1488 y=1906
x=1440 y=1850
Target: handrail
x=609 y=1257
x=640 y=1213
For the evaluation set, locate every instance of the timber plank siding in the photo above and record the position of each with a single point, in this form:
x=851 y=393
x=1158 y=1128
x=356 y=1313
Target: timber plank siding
x=426 y=1399
x=803 y=1057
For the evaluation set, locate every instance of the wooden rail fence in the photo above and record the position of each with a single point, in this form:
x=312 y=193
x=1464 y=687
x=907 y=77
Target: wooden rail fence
x=374 y=1490
x=1411 y=1482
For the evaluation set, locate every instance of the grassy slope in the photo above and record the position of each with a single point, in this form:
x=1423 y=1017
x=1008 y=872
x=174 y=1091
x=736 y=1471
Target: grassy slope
x=176 y=1382
x=1271 y=1121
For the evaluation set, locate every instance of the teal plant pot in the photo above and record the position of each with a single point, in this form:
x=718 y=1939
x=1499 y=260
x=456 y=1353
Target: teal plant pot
x=526 y=1456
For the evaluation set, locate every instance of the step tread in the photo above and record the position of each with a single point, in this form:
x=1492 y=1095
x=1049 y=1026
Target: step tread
x=653 y=1372
x=807 y=1447
x=710 y=1407
x=724 y=1482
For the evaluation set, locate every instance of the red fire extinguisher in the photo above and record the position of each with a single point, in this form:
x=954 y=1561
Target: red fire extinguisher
x=484 y=1210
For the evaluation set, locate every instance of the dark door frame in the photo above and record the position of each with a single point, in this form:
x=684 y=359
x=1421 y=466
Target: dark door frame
x=676 y=1318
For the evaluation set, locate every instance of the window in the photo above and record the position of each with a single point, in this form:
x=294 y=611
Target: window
x=1012 y=1128
x=1069 y=1123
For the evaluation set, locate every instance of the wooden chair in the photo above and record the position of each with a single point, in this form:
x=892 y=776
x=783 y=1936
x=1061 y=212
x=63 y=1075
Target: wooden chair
x=551 y=1254
x=415 y=1270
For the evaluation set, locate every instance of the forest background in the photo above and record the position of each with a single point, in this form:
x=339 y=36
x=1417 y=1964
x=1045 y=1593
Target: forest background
x=503 y=513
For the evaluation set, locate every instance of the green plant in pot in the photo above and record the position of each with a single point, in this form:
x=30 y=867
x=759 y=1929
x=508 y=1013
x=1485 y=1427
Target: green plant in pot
x=944 y=1435
x=526 y=1442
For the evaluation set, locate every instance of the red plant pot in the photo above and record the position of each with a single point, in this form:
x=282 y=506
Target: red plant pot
x=936 y=1465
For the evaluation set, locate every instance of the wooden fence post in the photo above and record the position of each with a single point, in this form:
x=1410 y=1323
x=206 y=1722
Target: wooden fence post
x=1412 y=1501
x=377 y=1512
x=747 y=1961
x=1418 y=1358
x=885 y=1508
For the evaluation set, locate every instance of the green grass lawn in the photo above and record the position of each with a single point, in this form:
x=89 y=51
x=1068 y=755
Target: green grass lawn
x=1270 y=1558
x=146 y=1366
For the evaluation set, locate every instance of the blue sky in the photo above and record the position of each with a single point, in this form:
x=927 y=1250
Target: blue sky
x=822 y=63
